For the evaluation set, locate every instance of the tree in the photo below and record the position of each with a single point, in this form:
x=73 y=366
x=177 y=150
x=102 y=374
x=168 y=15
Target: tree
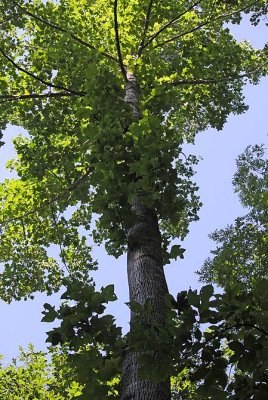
x=109 y=92
x=240 y=256
x=215 y=346
x=32 y=376
x=237 y=340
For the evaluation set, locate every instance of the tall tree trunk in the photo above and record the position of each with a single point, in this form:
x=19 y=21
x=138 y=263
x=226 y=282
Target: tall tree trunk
x=146 y=280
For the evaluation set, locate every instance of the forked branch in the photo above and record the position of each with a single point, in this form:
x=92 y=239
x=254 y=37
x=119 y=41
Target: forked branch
x=207 y=22
x=146 y=26
x=170 y=23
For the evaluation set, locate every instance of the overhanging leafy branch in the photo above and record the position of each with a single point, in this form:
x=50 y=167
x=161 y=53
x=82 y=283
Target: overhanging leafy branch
x=168 y=24
x=214 y=80
x=70 y=189
x=63 y=30
x=205 y=23
x=241 y=325
x=5 y=98
x=36 y=77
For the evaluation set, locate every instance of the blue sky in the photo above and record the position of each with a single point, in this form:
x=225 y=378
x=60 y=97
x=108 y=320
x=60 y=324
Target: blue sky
x=21 y=320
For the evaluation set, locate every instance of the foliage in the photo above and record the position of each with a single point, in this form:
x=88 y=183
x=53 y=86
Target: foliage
x=241 y=253
x=215 y=346
x=31 y=376
x=63 y=71
x=93 y=342
x=65 y=66
x=240 y=267
x=228 y=360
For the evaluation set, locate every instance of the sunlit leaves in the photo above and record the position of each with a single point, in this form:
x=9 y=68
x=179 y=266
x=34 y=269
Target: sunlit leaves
x=31 y=375
x=30 y=226
x=62 y=79
x=85 y=145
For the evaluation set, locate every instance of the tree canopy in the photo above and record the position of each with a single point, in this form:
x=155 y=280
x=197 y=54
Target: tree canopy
x=108 y=92
x=63 y=81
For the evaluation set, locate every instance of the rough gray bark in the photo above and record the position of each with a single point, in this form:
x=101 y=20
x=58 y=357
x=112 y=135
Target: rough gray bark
x=146 y=280
x=132 y=96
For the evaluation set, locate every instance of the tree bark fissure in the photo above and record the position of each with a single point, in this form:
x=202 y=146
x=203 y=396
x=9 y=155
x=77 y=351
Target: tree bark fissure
x=146 y=280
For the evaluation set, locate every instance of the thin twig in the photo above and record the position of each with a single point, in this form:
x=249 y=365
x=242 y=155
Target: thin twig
x=9 y=97
x=117 y=40
x=168 y=24
x=207 y=22
x=59 y=240
x=46 y=83
x=146 y=26
x=63 y=30
x=27 y=258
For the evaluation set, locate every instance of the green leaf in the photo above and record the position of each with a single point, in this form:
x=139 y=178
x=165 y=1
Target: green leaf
x=135 y=306
x=193 y=298
x=177 y=251
x=205 y=293
x=50 y=315
x=108 y=293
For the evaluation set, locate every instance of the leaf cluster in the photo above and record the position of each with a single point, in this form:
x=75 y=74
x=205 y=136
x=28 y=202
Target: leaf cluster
x=215 y=345
x=93 y=342
x=31 y=376
x=241 y=252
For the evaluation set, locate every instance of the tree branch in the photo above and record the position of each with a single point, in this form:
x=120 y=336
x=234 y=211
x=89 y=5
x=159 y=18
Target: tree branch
x=55 y=220
x=117 y=40
x=146 y=25
x=69 y=189
x=168 y=24
x=215 y=80
x=46 y=83
x=241 y=325
x=60 y=29
x=9 y=97
x=207 y=22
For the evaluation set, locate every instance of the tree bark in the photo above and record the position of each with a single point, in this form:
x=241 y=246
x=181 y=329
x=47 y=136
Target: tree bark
x=146 y=280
